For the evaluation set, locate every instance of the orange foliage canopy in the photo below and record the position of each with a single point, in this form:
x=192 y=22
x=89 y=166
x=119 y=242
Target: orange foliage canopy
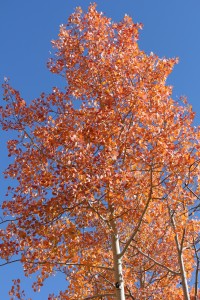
x=111 y=154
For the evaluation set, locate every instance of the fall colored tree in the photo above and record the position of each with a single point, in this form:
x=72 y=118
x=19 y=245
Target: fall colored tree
x=107 y=171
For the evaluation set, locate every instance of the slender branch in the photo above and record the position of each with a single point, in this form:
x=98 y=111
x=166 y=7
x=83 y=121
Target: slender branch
x=119 y=216
x=157 y=279
x=141 y=217
x=186 y=185
x=182 y=240
x=100 y=296
x=130 y=294
x=195 y=164
x=197 y=271
x=84 y=265
x=72 y=264
x=10 y=262
x=58 y=263
x=111 y=283
x=106 y=295
x=99 y=215
x=156 y=262
x=11 y=220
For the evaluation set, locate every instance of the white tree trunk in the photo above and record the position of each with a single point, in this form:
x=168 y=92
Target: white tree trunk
x=183 y=273
x=181 y=261
x=117 y=260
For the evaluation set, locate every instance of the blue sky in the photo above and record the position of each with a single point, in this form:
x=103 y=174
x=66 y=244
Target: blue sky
x=171 y=29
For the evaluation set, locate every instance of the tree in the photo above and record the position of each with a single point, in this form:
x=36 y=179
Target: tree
x=107 y=171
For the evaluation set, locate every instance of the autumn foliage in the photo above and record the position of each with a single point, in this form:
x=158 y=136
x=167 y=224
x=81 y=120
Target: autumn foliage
x=107 y=171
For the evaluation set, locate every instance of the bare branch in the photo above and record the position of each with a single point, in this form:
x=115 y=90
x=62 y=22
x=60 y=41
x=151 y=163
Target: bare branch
x=100 y=296
x=130 y=294
x=111 y=283
x=186 y=185
x=156 y=262
x=58 y=263
x=196 y=283
x=10 y=262
x=141 y=217
x=182 y=240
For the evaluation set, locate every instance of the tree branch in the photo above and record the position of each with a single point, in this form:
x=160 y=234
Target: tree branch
x=141 y=217
x=156 y=262
x=99 y=296
x=58 y=263
x=196 y=271
x=130 y=294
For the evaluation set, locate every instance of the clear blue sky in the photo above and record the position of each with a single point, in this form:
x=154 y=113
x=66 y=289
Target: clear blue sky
x=171 y=29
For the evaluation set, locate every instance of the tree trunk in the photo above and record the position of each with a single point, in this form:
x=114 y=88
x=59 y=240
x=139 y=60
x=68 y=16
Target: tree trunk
x=183 y=275
x=181 y=261
x=119 y=282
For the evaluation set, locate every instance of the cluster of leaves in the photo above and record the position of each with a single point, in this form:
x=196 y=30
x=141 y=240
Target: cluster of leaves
x=112 y=147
